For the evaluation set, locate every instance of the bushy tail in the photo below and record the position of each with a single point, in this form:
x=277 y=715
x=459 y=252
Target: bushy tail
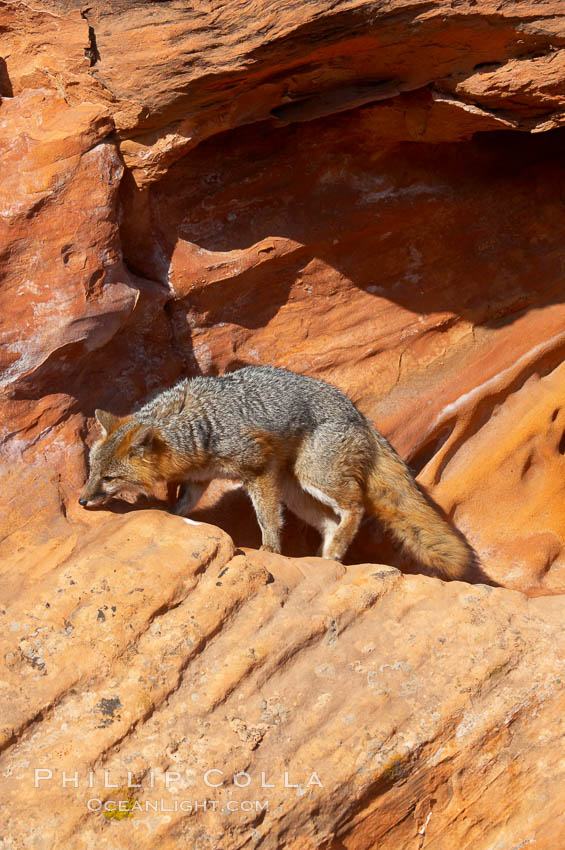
x=394 y=498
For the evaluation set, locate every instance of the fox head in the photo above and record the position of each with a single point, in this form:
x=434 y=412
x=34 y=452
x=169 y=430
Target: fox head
x=121 y=461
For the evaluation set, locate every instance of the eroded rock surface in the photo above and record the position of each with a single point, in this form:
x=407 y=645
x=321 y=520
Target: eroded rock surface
x=355 y=707
x=369 y=193
x=307 y=194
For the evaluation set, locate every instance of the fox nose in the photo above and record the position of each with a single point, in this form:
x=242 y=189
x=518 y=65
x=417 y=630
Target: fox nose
x=83 y=502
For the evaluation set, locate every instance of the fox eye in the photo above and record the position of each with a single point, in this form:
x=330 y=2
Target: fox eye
x=107 y=478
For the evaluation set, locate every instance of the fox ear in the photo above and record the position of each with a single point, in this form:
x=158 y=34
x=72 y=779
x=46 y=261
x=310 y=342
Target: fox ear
x=143 y=438
x=106 y=420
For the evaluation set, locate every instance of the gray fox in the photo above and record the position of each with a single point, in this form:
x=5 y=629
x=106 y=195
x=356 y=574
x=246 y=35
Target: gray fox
x=289 y=439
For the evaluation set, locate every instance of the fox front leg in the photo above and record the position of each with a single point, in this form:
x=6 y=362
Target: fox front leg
x=265 y=494
x=189 y=494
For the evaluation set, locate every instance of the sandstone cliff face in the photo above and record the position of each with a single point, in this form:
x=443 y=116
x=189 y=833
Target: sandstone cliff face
x=369 y=193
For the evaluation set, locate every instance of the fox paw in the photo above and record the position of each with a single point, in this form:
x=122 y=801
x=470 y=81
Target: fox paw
x=265 y=548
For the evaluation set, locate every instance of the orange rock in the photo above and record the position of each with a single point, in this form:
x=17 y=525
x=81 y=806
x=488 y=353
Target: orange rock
x=65 y=287
x=412 y=275
x=341 y=190
x=252 y=699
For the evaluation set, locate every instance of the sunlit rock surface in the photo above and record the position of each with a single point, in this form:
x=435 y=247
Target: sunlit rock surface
x=367 y=193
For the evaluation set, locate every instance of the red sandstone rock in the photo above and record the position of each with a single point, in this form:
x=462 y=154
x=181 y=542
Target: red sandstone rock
x=410 y=274
x=387 y=704
x=64 y=285
x=337 y=190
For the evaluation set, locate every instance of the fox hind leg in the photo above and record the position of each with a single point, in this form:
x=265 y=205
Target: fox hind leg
x=309 y=509
x=330 y=467
x=337 y=545
x=339 y=535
